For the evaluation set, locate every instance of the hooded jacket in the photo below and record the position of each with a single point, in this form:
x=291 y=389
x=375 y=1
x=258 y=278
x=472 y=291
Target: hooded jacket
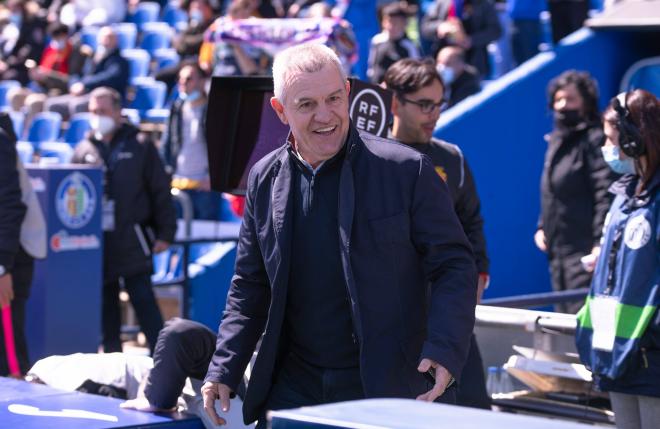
x=628 y=271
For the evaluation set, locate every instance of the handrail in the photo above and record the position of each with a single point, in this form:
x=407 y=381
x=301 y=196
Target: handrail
x=538 y=299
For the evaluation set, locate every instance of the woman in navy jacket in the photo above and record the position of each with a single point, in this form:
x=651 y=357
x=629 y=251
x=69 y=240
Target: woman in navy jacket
x=618 y=334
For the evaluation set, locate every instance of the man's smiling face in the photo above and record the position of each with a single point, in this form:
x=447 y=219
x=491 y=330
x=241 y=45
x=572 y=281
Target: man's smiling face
x=315 y=106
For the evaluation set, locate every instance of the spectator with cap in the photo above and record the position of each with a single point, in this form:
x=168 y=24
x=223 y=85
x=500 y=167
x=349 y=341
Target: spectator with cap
x=392 y=43
x=461 y=80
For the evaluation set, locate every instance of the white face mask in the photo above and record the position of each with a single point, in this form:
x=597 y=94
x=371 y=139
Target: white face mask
x=102 y=125
x=447 y=74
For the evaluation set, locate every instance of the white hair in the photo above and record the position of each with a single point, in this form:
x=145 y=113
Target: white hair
x=306 y=58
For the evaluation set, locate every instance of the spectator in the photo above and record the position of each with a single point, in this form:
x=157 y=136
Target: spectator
x=618 y=335
x=22 y=38
x=574 y=183
x=471 y=27
x=22 y=238
x=184 y=144
x=83 y=13
x=189 y=42
x=227 y=58
x=461 y=80
x=108 y=69
x=139 y=217
x=525 y=28
x=391 y=44
x=567 y=16
x=418 y=95
x=59 y=60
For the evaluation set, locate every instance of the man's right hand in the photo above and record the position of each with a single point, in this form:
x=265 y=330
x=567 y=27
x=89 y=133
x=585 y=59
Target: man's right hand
x=211 y=392
x=539 y=239
x=6 y=290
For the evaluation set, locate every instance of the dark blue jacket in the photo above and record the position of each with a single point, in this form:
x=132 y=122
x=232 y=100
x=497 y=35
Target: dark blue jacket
x=112 y=71
x=629 y=271
x=407 y=264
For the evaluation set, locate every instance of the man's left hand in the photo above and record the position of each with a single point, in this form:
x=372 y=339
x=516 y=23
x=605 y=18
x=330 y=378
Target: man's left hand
x=160 y=246
x=77 y=88
x=442 y=378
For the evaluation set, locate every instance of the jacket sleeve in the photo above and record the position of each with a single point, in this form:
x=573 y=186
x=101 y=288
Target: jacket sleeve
x=431 y=21
x=12 y=209
x=158 y=186
x=449 y=266
x=601 y=177
x=114 y=75
x=468 y=210
x=248 y=300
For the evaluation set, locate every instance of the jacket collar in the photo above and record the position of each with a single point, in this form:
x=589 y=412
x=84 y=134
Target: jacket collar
x=627 y=184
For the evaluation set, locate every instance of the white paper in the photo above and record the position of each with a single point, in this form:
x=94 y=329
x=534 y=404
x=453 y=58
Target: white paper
x=603 y=309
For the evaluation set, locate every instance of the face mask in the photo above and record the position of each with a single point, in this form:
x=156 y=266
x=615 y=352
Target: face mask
x=57 y=44
x=196 y=17
x=100 y=51
x=101 y=124
x=568 y=118
x=193 y=96
x=612 y=156
x=447 y=74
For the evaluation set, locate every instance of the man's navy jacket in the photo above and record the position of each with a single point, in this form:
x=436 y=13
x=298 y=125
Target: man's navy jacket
x=407 y=264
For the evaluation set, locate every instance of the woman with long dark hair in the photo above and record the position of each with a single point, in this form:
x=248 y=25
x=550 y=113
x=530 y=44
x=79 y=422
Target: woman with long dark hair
x=618 y=334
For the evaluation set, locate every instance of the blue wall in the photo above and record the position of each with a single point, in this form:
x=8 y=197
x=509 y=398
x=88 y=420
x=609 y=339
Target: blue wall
x=501 y=132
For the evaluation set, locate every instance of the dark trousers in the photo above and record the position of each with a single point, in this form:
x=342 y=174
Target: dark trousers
x=184 y=349
x=472 y=388
x=567 y=273
x=299 y=384
x=22 y=279
x=567 y=16
x=143 y=301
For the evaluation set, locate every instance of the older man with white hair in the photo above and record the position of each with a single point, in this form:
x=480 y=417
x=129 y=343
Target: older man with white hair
x=351 y=267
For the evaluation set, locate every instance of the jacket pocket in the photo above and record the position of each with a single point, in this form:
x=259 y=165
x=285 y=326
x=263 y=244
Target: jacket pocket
x=392 y=229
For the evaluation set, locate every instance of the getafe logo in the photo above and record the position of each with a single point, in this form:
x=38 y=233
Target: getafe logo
x=637 y=233
x=75 y=200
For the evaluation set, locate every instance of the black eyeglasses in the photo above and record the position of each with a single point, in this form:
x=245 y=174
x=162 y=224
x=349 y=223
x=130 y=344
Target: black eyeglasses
x=426 y=106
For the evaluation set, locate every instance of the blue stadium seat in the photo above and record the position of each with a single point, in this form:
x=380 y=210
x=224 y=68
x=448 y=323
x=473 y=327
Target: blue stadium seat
x=45 y=127
x=126 y=34
x=148 y=96
x=17 y=120
x=145 y=12
x=5 y=86
x=132 y=115
x=78 y=127
x=644 y=74
x=156 y=37
x=138 y=62
x=60 y=150
x=25 y=151
x=175 y=17
x=88 y=36
x=165 y=58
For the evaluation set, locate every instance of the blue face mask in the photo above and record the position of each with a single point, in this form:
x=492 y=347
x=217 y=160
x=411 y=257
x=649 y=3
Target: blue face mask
x=16 y=19
x=447 y=74
x=196 y=17
x=193 y=96
x=612 y=155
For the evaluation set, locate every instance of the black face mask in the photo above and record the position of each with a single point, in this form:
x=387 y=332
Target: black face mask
x=568 y=118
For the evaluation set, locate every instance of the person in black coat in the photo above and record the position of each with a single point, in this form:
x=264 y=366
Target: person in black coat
x=472 y=28
x=139 y=218
x=461 y=80
x=23 y=38
x=352 y=267
x=574 y=183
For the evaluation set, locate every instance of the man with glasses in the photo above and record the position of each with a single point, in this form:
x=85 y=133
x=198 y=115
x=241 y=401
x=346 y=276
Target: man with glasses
x=418 y=99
